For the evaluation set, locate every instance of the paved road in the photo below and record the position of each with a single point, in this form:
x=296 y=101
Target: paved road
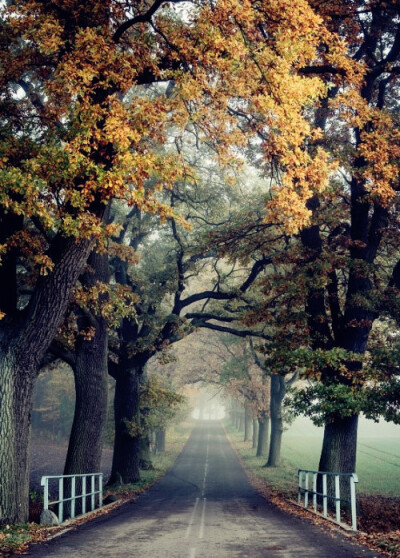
x=204 y=507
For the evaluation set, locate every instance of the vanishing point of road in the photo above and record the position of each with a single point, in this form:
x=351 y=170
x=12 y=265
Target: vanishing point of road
x=203 y=507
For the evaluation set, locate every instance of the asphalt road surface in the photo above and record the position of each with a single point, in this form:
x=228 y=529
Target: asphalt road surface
x=204 y=507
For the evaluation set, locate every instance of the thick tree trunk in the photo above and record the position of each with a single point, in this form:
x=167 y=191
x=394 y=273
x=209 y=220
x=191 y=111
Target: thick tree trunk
x=274 y=455
x=339 y=446
x=278 y=390
x=263 y=428
x=338 y=455
x=22 y=350
x=16 y=393
x=145 y=462
x=91 y=384
x=125 y=465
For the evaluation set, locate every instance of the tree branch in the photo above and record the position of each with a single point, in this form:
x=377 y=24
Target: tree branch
x=141 y=18
x=218 y=295
x=238 y=332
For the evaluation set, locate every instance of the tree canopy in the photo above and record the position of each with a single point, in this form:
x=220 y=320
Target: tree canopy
x=98 y=103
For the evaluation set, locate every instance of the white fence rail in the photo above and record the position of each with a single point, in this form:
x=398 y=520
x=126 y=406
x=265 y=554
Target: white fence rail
x=79 y=492
x=328 y=496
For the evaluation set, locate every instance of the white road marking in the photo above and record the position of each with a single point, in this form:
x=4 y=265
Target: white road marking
x=203 y=514
x=192 y=553
x=205 y=468
x=203 y=511
x=189 y=527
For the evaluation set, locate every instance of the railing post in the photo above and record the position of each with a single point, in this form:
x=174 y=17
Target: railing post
x=306 y=491
x=61 y=500
x=325 y=494
x=45 y=483
x=353 y=480
x=314 y=487
x=84 y=494
x=92 y=490
x=337 y=497
x=101 y=490
x=300 y=476
x=73 y=497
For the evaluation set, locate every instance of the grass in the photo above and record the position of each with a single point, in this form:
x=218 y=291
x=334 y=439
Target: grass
x=378 y=462
x=15 y=538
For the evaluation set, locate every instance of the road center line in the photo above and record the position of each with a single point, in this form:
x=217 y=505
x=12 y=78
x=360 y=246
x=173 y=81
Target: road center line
x=205 y=468
x=203 y=515
x=189 y=527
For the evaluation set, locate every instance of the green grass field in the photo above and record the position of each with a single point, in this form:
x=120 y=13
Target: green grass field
x=378 y=461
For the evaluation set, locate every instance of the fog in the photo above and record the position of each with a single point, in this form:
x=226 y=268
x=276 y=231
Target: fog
x=366 y=429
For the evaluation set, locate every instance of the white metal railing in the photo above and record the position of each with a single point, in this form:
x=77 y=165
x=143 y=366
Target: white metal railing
x=84 y=494
x=322 y=499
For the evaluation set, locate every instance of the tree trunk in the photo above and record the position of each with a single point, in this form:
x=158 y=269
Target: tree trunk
x=274 y=455
x=160 y=440
x=339 y=446
x=338 y=455
x=125 y=465
x=255 y=433
x=144 y=442
x=263 y=427
x=247 y=424
x=278 y=391
x=91 y=385
x=91 y=374
x=16 y=394
x=21 y=352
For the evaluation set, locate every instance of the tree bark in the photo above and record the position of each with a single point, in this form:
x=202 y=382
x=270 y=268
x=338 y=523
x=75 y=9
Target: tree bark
x=125 y=464
x=339 y=446
x=263 y=428
x=16 y=394
x=24 y=342
x=145 y=462
x=87 y=433
x=338 y=455
x=278 y=390
x=91 y=385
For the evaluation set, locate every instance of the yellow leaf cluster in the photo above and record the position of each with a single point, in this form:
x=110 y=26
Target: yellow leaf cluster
x=235 y=66
x=379 y=147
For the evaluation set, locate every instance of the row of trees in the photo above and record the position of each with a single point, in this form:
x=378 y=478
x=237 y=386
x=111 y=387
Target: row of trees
x=329 y=299
x=116 y=118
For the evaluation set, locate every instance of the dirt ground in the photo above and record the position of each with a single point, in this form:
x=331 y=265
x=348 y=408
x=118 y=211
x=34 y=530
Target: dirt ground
x=48 y=458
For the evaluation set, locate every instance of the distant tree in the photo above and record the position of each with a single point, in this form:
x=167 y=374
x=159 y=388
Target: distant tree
x=54 y=401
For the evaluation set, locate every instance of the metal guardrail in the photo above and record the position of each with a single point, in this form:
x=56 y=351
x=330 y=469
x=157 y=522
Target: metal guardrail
x=82 y=494
x=324 y=498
